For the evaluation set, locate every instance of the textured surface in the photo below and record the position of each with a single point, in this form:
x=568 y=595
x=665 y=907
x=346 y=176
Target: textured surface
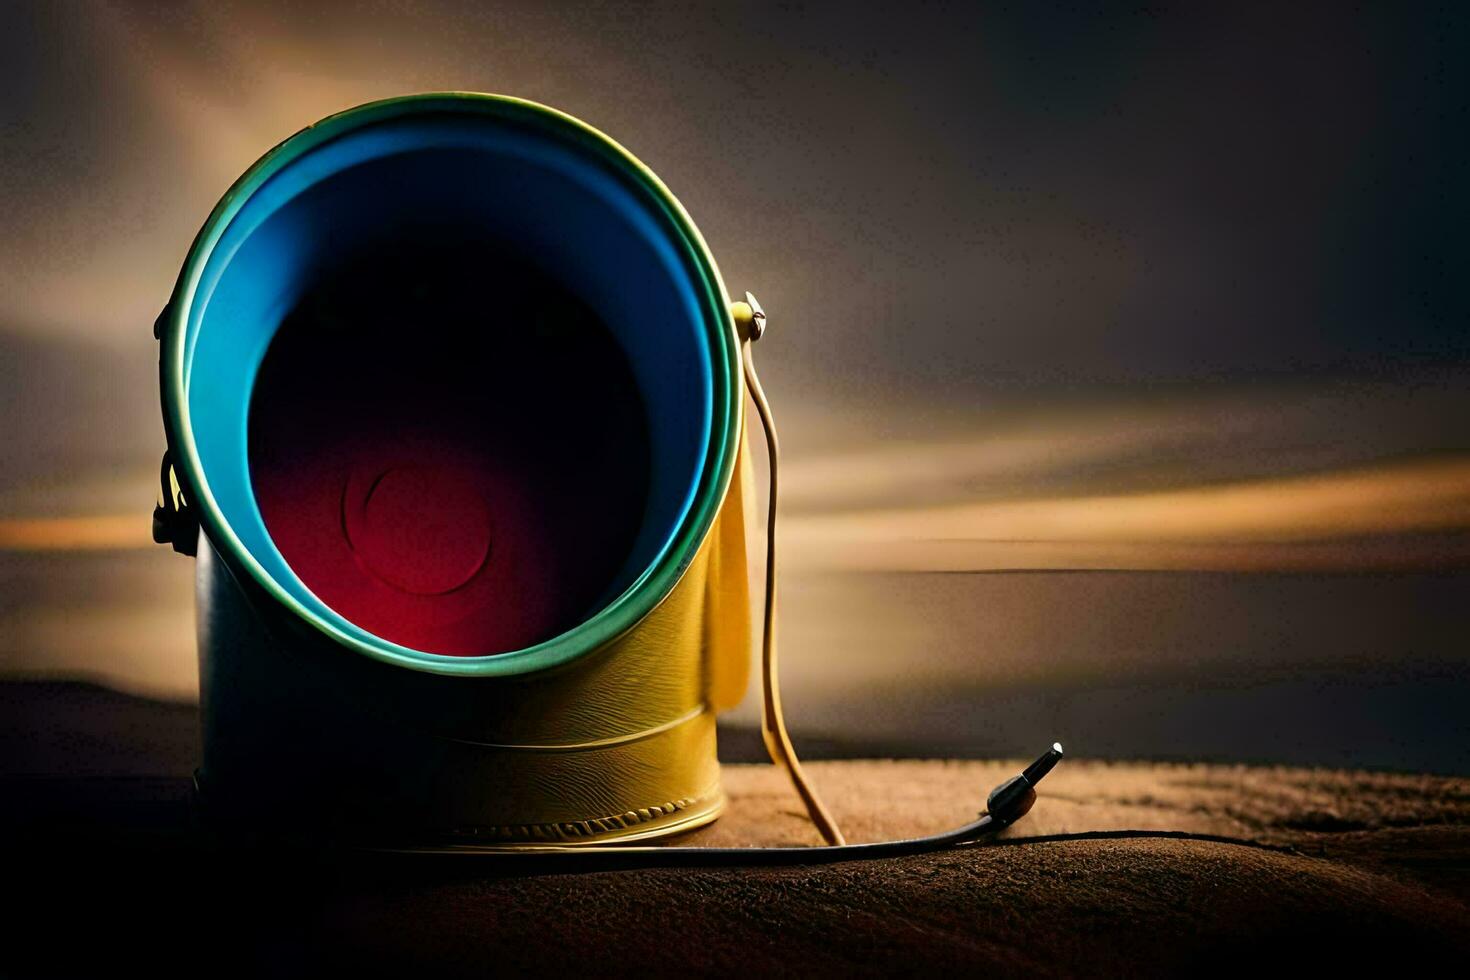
x=876 y=799
x=1336 y=870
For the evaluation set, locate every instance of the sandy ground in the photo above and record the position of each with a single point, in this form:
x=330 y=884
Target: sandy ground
x=1322 y=870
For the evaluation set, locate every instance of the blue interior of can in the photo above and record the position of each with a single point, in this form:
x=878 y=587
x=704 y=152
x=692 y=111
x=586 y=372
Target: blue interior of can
x=564 y=208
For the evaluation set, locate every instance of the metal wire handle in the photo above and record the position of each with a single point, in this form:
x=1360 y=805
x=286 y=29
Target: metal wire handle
x=773 y=724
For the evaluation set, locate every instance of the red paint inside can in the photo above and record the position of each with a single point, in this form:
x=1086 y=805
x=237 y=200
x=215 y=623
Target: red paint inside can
x=450 y=451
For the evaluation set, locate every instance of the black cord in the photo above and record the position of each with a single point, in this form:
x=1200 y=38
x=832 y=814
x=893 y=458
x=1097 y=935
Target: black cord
x=616 y=857
x=1007 y=803
x=603 y=858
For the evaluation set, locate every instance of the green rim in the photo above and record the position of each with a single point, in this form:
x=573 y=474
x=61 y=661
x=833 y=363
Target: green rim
x=657 y=581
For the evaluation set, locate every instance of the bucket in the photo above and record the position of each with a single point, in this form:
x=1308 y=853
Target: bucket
x=453 y=398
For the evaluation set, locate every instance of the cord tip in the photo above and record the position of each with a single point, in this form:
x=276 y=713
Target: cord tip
x=1044 y=764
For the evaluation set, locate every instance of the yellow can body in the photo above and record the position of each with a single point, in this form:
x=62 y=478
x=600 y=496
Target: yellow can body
x=312 y=726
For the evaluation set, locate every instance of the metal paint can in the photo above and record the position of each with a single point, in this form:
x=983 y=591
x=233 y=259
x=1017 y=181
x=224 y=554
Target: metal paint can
x=314 y=725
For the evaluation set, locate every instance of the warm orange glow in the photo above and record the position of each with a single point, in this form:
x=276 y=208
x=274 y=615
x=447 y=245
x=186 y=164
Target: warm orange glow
x=1341 y=519
x=1410 y=514
x=111 y=532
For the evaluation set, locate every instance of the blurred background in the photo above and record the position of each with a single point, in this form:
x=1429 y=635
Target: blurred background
x=1120 y=355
